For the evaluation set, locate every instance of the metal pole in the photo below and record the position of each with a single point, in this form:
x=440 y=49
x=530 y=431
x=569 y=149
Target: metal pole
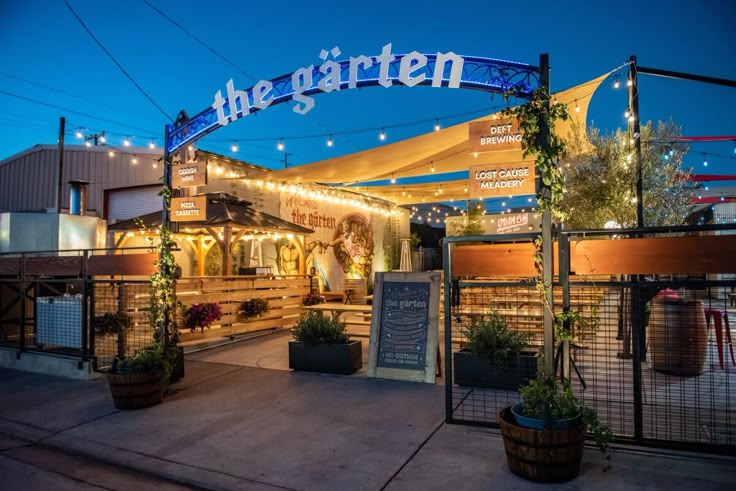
x=548 y=260
x=165 y=224
x=60 y=176
x=636 y=134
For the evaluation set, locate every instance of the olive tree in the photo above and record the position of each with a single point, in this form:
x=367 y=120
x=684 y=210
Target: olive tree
x=601 y=178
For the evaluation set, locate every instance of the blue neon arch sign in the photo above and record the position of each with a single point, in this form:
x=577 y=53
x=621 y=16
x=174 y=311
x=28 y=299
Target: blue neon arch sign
x=438 y=70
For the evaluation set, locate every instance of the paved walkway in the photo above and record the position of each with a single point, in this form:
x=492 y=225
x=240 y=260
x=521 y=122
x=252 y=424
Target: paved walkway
x=237 y=427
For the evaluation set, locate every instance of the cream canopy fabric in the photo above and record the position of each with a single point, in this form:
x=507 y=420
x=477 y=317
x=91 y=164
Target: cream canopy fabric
x=447 y=150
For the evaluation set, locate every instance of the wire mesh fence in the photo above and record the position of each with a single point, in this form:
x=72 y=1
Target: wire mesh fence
x=652 y=354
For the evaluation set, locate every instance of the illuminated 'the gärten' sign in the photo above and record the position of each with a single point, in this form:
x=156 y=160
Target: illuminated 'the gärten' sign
x=331 y=75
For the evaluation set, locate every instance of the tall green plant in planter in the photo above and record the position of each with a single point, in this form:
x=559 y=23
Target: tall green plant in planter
x=139 y=380
x=552 y=452
x=321 y=345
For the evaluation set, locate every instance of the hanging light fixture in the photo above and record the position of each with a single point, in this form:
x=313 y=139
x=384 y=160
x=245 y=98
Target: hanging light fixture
x=616 y=84
x=152 y=145
x=436 y=124
x=280 y=145
x=393 y=179
x=382 y=135
x=126 y=142
x=329 y=141
x=79 y=133
x=234 y=148
x=103 y=139
x=577 y=108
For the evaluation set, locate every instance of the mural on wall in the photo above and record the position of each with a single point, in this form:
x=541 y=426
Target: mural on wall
x=353 y=245
x=345 y=241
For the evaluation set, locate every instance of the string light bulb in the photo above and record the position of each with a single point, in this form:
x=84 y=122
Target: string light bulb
x=234 y=148
x=111 y=153
x=88 y=143
x=79 y=134
x=629 y=83
x=705 y=161
x=432 y=168
x=126 y=142
x=280 y=145
x=436 y=124
x=103 y=139
x=152 y=145
x=135 y=160
x=577 y=108
x=616 y=84
x=393 y=179
x=626 y=113
x=382 y=135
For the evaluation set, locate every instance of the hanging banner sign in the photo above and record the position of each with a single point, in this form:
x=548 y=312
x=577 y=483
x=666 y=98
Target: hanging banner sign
x=485 y=136
x=496 y=180
x=189 y=174
x=189 y=209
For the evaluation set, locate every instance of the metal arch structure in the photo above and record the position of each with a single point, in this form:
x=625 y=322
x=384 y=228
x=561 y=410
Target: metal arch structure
x=478 y=73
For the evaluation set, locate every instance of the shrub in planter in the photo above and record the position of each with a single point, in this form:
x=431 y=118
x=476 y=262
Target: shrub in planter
x=322 y=345
x=138 y=381
x=111 y=323
x=201 y=315
x=544 y=433
x=494 y=355
x=255 y=307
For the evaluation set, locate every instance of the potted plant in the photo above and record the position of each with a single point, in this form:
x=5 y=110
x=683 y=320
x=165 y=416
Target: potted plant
x=494 y=356
x=138 y=381
x=312 y=298
x=255 y=307
x=113 y=324
x=543 y=435
x=321 y=345
x=201 y=315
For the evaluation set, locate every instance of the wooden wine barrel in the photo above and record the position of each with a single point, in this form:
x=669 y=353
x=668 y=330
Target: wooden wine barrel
x=677 y=336
x=542 y=455
x=135 y=390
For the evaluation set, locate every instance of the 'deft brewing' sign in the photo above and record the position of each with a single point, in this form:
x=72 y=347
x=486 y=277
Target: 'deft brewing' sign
x=496 y=180
x=486 y=136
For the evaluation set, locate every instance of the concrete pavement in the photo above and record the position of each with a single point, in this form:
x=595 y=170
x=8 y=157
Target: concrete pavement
x=236 y=427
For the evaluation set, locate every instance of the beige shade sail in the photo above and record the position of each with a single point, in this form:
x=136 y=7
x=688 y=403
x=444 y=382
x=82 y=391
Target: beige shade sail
x=446 y=150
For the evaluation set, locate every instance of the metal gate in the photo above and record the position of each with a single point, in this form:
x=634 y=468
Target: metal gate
x=651 y=351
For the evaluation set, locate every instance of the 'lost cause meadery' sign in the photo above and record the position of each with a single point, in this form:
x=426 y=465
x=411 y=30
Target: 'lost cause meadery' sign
x=404 y=326
x=494 y=180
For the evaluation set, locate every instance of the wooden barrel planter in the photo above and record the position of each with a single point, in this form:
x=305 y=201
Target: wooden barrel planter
x=135 y=390
x=542 y=455
x=677 y=336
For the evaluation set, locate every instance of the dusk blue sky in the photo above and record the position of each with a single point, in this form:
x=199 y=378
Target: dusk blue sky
x=47 y=57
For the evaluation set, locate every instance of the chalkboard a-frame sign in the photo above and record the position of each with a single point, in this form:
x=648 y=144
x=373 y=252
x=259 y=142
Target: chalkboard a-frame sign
x=404 y=326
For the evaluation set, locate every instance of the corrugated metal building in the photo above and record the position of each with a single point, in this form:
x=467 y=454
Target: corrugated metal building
x=123 y=183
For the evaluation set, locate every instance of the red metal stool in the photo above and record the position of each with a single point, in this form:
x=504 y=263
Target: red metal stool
x=717 y=315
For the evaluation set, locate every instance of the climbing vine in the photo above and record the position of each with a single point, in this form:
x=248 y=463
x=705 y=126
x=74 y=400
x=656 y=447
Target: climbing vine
x=547 y=149
x=163 y=282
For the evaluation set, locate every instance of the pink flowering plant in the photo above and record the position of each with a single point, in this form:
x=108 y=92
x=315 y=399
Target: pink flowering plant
x=201 y=315
x=313 y=299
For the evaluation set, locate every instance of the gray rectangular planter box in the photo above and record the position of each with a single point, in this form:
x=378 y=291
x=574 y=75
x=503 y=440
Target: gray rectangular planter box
x=475 y=371
x=326 y=358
